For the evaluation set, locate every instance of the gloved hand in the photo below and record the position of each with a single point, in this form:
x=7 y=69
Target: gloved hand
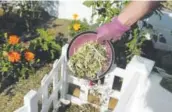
x=112 y=30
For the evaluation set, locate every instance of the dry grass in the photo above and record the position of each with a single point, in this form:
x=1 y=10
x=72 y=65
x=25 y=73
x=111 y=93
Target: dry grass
x=167 y=5
x=59 y=26
x=95 y=99
x=74 y=90
x=82 y=108
x=13 y=99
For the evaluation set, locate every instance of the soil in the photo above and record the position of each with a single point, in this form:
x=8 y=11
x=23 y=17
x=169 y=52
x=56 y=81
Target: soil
x=74 y=90
x=94 y=99
x=112 y=103
x=82 y=108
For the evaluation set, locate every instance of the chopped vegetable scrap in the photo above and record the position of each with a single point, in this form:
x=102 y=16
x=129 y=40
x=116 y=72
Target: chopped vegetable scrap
x=88 y=60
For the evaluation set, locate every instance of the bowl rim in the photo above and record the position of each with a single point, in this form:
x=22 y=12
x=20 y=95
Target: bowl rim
x=112 y=58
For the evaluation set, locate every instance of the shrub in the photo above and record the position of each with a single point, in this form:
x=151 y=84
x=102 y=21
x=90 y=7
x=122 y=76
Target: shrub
x=45 y=46
x=20 y=59
x=21 y=16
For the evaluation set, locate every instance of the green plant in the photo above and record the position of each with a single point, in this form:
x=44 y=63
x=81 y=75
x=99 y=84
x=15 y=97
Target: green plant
x=16 y=59
x=77 y=26
x=104 y=11
x=47 y=43
x=20 y=59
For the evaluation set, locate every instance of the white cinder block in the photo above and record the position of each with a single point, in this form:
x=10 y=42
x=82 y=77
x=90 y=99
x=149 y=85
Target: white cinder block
x=84 y=92
x=134 y=76
x=141 y=65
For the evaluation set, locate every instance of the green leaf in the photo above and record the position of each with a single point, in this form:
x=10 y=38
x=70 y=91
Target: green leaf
x=4 y=69
x=5 y=35
x=88 y=3
x=52 y=54
x=38 y=60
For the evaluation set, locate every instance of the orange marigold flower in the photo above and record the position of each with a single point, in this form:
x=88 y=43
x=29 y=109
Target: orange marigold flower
x=75 y=16
x=14 y=39
x=29 y=56
x=14 y=56
x=76 y=26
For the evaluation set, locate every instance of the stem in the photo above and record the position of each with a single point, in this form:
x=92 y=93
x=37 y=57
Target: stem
x=97 y=51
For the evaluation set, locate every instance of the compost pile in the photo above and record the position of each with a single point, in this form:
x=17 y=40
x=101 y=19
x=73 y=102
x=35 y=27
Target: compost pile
x=88 y=60
x=82 y=108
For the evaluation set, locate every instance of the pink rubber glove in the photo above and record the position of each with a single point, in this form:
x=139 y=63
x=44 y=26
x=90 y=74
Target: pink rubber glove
x=111 y=31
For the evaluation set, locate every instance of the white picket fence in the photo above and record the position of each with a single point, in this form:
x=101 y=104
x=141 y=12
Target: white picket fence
x=135 y=74
x=56 y=77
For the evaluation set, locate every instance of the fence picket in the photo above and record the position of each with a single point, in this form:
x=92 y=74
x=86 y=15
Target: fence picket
x=55 y=84
x=64 y=78
x=31 y=101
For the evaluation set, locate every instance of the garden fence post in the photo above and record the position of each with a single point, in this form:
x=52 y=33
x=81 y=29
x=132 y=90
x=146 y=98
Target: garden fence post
x=64 y=79
x=44 y=87
x=84 y=89
x=55 y=83
x=63 y=72
x=31 y=101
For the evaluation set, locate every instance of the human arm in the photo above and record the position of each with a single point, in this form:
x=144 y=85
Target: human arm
x=134 y=11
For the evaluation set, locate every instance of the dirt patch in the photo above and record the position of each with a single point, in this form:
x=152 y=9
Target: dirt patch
x=82 y=108
x=93 y=99
x=74 y=90
x=112 y=103
x=12 y=97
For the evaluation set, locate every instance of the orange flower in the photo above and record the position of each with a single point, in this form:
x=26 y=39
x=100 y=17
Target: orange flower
x=29 y=56
x=75 y=16
x=76 y=26
x=14 y=56
x=14 y=39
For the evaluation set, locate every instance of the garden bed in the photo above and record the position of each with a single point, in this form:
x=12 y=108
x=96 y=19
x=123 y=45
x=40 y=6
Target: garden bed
x=45 y=48
x=13 y=92
x=82 y=108
x=112 y=103
x=12 y=97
